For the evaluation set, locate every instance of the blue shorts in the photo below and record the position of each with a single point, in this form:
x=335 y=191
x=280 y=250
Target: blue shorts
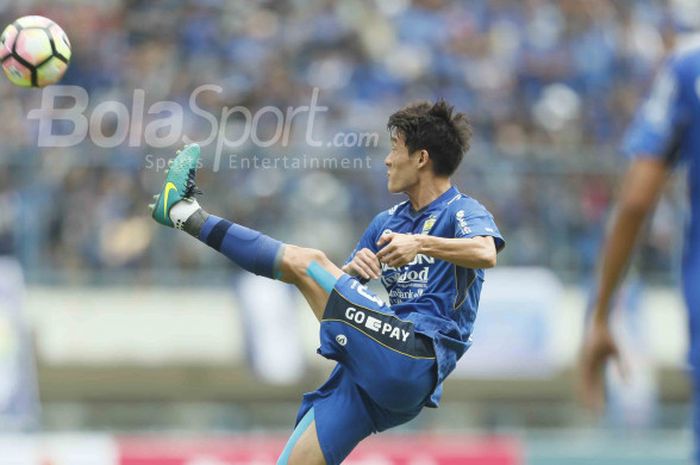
x=386 y=370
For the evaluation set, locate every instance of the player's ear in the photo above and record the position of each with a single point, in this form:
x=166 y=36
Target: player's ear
x=423 y=158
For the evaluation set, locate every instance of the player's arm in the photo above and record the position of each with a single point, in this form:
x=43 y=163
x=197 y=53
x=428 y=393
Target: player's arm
x=363 y=262
x=641 y=188
x=468 y=252
x=474 y=242
x=653 y=141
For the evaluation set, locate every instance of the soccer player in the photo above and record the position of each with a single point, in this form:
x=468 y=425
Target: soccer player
x=664 y=133
x=429 y=251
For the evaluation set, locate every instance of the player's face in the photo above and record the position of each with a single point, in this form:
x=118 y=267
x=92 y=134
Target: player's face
x=402 y=170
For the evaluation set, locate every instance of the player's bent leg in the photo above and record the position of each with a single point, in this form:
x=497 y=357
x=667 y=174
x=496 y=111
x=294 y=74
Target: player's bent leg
x=385 y=355
x=342 y=417
x=303 y=447
x=308 y=450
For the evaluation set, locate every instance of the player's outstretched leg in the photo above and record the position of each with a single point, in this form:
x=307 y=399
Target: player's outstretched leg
x=178 y=184
x=308 y=269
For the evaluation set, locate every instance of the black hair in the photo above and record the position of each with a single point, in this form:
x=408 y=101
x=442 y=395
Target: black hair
x=434 y=128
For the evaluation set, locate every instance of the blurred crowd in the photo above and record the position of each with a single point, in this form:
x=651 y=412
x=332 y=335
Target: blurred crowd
x=548 y=85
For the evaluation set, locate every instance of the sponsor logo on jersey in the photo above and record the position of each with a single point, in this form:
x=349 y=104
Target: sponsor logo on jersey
x=462 y=222
x=402 y=295
x=416 y=272
x=381 y=326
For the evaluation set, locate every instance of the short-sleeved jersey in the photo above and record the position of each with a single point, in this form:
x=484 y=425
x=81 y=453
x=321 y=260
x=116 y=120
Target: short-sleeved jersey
x=440 y=298
x=667 y=128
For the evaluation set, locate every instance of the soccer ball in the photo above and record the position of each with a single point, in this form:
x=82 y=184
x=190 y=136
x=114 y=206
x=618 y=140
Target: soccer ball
x=34 y=51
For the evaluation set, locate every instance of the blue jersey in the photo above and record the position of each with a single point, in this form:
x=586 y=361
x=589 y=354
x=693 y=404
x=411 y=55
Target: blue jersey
x=440 y=298
x=667 y=128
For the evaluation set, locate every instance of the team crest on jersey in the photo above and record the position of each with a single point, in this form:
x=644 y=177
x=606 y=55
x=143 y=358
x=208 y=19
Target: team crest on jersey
x=428 y=225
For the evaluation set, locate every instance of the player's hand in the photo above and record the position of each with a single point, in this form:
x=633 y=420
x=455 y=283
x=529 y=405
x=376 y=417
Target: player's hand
x=599 y=347
x=364 y=264
x=399 y=249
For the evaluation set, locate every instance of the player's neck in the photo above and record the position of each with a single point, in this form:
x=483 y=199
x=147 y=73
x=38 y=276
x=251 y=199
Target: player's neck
x=423 y=193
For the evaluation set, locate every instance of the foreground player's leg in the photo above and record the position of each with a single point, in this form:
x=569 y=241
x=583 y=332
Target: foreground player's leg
x=308 y=269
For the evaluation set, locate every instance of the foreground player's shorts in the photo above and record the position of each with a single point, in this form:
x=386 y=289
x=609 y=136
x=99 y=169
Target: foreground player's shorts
x=385 y=374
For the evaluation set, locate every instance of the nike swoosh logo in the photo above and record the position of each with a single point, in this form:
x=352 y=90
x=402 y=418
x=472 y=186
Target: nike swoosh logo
x=168 y=187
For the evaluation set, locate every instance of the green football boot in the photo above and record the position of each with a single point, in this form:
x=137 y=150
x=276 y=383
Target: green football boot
x=179 y=184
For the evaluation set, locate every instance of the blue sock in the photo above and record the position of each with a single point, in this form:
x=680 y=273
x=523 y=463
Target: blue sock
x=249 y=249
